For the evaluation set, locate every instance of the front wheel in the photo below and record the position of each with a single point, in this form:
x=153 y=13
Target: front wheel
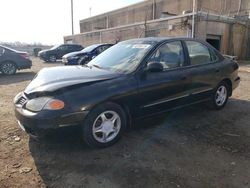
x=8 y=68
x=104 y=125
x=220 y=96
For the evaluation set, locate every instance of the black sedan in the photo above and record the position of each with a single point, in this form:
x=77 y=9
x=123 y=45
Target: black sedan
x=86 y=55
x=12 y=60
x=130 y=80
x=58 y=51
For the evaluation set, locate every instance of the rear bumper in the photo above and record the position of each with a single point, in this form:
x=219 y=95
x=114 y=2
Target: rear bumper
x=25 y=64
x=38 y=124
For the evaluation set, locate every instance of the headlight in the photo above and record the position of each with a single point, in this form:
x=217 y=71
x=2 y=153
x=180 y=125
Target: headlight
x=18 y=96
x=47 y=103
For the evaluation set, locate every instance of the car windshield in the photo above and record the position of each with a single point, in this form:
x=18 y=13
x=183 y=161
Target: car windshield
x=123 y=57
x=90 y=48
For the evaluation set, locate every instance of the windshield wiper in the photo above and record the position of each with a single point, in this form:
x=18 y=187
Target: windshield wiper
x=97 y=66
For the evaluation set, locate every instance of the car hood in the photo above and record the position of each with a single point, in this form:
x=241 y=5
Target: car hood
x=52 y=79
x=72 y=54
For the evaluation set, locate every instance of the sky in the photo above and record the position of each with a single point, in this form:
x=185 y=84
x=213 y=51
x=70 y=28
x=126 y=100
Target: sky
x=47 y=21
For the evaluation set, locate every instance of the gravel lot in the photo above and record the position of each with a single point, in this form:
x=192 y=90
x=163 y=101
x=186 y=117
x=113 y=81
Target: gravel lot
x=191 y=147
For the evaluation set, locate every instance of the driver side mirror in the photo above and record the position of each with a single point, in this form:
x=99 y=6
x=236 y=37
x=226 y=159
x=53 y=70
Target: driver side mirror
x=154 y=67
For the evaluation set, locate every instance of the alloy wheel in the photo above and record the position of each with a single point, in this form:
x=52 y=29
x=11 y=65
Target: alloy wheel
x=221 y=95
x=8 y=68
x=106 y=126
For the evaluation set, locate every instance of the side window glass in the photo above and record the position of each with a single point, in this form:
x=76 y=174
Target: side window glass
x=2 y=51
x=198 y=53
x=61 y=48
x=170 y=55
x=73 y=48
x=105 y=48
x=79 y=48
x=101 y=49
x=213 y=56
x=66 y=47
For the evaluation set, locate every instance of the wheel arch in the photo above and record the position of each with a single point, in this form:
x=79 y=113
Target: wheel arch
x=124 y=107
x=230 y=85
x=8 y=60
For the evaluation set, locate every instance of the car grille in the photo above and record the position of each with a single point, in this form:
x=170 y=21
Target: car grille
x=21 y=101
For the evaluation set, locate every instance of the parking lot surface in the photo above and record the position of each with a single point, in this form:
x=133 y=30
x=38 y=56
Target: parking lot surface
x=191 y=147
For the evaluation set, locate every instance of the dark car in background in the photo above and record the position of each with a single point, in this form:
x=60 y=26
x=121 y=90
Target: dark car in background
x=12 y=60
x=85 y=55
x=131 y=80
x=56 y=52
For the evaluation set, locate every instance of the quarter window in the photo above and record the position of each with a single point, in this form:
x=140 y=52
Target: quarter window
x=170 y=55
x=198 y=53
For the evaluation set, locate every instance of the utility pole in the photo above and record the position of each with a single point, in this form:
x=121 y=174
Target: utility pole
x=72 y=17
x=193 y=18
x=90 y=9
x=153 y=9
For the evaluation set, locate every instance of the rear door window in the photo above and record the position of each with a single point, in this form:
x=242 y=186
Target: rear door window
x=2 y=50
x=198 y=53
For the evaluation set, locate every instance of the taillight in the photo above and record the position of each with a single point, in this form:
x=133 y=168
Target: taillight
x=25 y=55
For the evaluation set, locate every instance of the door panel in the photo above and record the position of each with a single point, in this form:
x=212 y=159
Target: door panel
x=160 y=91
x=203 y=79
x=167 y=89
x=204 y=70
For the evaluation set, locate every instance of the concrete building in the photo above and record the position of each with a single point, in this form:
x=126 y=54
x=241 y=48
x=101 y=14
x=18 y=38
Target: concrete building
x=223 y=23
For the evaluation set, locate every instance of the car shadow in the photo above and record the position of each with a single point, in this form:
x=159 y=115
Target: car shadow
x=150 y=154
x=18 y=77
x=53 y=63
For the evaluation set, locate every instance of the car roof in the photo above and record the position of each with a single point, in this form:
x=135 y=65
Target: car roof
x=72 y=44
x=7 y=48
x=161 y=39
x=101 y=44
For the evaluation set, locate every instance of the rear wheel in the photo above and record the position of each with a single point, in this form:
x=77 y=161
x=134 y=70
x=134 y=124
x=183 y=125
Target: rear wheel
x=8 y=68
x=220 y=96
x=104 y=125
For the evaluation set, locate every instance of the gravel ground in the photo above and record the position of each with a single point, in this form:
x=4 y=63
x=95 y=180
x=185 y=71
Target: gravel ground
x=191 y=147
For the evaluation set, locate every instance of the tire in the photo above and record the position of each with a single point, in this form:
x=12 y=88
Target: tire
x=52 y=58
x=8 y=68
x=99 y=130
x=220 y=96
